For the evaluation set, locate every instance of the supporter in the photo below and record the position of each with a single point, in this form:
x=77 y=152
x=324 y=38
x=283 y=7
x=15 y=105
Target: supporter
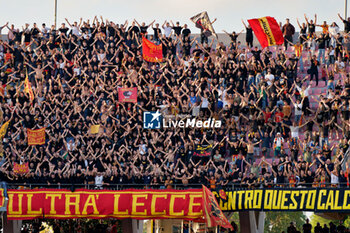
x=278 y=127
x=288 y=31
x=311 y=25
x=346 y=23
x=249 y=35
x=307 y=227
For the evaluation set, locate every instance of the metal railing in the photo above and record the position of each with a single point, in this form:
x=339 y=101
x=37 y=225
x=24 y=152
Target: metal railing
x=228 y=187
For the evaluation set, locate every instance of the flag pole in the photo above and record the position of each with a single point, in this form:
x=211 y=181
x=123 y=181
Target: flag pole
x=55 y=14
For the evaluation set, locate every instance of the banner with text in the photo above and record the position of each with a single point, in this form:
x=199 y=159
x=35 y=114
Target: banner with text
x=203 y=150
x=267 y=30
x=151 y=52
x=20 y=168
x=138 y=204
x=158 y=204
x=36 y=137
x=314 y=200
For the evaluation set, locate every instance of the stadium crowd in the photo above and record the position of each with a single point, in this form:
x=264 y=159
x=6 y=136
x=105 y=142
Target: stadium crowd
x=275 y=131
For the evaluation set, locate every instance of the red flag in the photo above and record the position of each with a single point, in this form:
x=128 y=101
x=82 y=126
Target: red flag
x=151 y=52
x=20 y=168
x=127 y=94
x=212 y=212
x=267 y=30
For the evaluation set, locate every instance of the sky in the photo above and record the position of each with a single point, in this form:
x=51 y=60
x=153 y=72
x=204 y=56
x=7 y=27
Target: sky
x=228 y=12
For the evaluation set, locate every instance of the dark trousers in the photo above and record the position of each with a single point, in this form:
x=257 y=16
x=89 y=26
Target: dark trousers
x=314 y=73
x=286 y=39
x=249 y=42
x=204 y=39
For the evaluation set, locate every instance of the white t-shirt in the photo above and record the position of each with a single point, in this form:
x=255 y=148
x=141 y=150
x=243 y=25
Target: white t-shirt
x=334 y=179
x=305 y=92
x=167 y=31
x=270 y=78
x=75 y=31
x=294 y=131
x=205 y=102
x=333 y=30
x=99 y=181
x=298 y=110
x=45 y=30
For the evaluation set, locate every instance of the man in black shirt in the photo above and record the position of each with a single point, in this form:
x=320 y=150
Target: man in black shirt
x=291 y=228
x=185 y=32
x=307 y=227
x=313 y=71
x=318 y=228
x=177 y=28
x=143 y=27
x=35 y=31
x=321 y=40
x=341 y=228
x=256 y=53
x=63 y=29
x=346 y=23
x=133 y=29
x=157 y=33
x=27 y=34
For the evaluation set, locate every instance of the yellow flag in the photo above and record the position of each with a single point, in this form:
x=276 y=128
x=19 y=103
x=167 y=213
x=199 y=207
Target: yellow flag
x=28 y=88
x=3 y=129
x=94 y=129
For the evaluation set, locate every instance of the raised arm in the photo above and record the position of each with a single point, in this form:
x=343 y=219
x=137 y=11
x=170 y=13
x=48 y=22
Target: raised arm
x=298 y=23
x=244 y=23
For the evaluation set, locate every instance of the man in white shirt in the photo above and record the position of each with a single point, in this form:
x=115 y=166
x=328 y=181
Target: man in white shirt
x=167 y=29
x=294 y=131
x=304 y=91
x=269 y=77
x=45 y=30
x=75 y=27
x=298 y=109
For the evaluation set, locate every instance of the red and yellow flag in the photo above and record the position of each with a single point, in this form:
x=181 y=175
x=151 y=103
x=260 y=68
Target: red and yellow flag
x=212 y=212
x=267 y=30
x=28 y=88
x=3 y=129
x=36 y=137
x=151 y=52
x=20 y=168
